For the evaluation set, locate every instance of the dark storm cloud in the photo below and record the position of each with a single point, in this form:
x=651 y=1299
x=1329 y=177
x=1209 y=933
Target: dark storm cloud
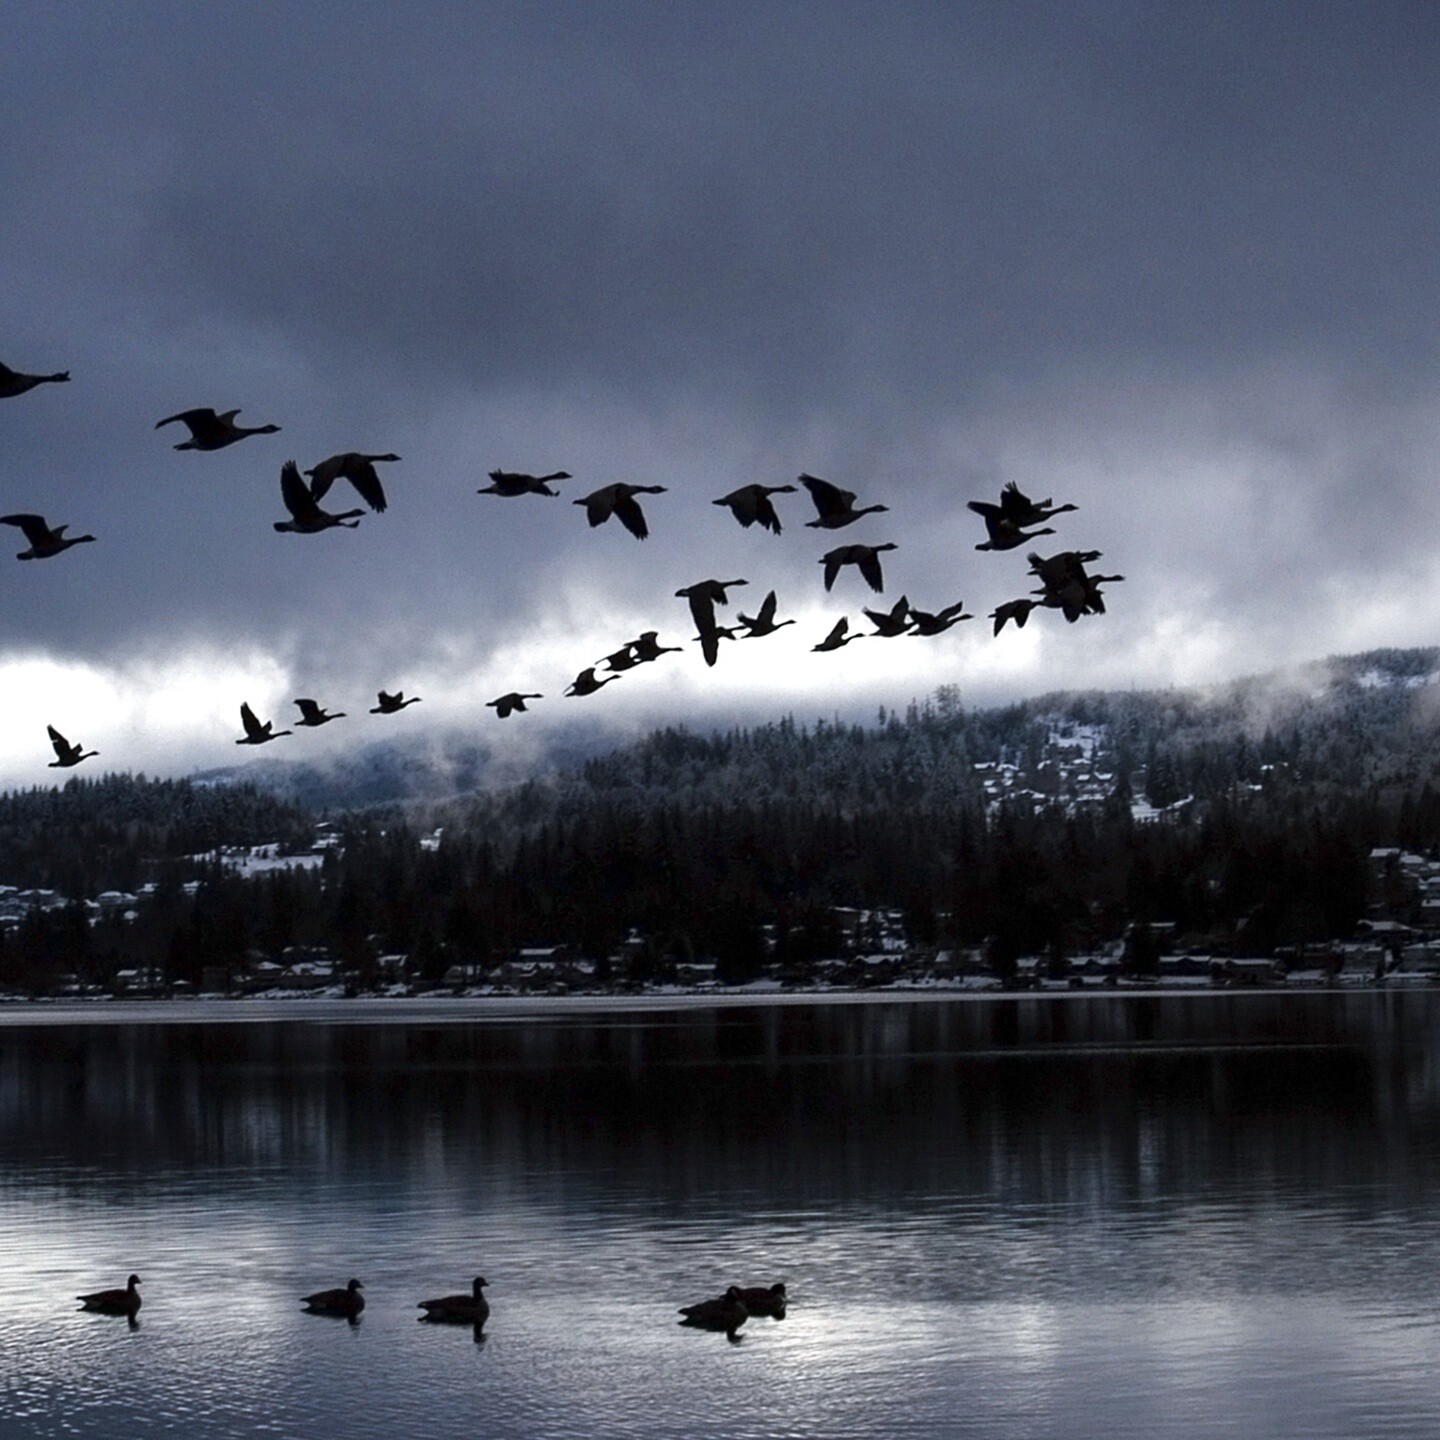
x=1174 y=262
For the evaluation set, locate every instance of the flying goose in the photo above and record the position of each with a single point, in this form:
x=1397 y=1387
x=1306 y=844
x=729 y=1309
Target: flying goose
x=1004 y=533
x=306 y=516
x=646 y=647
x=114 y=1302
x=45 y=541
x=66 y=754
x=704 y=596
x=940 y=621
x=891 y=622
x=624 y=658
x=349 y=1301
x=391 y=704
x=313 y=715
x=763 y=622
x=1018 y=508
x=506 y=705
x=1016 y=610
x=865 y=558
x=586 y=683
x=211 y=431
x=727 y=1313
x=751 y=505
x=837 y=638
x=834 y=507
x=619 y=500
x=472 y=1309
x=516 y=482
x=765 y=1299
x=358 y=469
x=255 y=732
x=13 y=382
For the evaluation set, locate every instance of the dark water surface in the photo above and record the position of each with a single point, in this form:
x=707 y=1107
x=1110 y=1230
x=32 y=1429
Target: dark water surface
x=1072 y=1216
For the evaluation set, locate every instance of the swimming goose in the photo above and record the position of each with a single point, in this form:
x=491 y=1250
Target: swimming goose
x=727 y=1313
x=586 y=683
x=834 y=507
x=211 y=431
x=349 y=1301
x=763 y=622
x=940 y=621
x=306 y=516
x=392 y=704
x=865 y=558
x=837 y=638
x=619 y=500
x=472 y=1309
x=765 y=1299
x=895 y=621
x=506 y=705
x=358 y=469
x=516 y=482
x=750 y=505
x=703 y=596
x=255 y=732
x=45 y=541
x=66 y=754
x=313 y=715
x=13 y=383
x=114 y=1302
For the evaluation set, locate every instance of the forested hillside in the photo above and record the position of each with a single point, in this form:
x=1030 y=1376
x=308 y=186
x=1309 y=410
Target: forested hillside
x=1243 y=815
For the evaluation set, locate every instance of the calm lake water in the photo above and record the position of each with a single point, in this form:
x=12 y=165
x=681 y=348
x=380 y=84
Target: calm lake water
x=1070 y=1216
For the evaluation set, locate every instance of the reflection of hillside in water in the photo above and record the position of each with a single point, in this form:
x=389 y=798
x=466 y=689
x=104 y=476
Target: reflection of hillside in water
x=1081 y=1101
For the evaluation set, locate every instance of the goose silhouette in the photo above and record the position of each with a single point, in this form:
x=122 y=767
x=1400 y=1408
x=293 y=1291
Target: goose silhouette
x=751 y=505
x=1003 y=532
x=835 y=508
x=763 y=622
x=892 y=622
x=515 y=482
x=865 y=558
x=15 y=382
x=619 y=500
x=212 y=431
x=1016 y=610
x=45 y=541
x=727 y=1313
x=257 y=733
x=646 y=647
x=506 y=705
x=66 y=754
x=358 y=469
x=306 y=516
x=765 y=1299
x=114 y=1302
x=703 y=596
x=624 y=658
x=587 y=683
x=347 y=1301
x=837 y=638
x=1018 y=508
x=926 y=623
x=392 y=704
x=471 y=1309
x=313 y=715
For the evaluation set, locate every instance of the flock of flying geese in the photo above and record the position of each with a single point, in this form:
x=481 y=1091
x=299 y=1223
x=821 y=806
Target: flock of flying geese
x=1064 y=582
x=727 y=1312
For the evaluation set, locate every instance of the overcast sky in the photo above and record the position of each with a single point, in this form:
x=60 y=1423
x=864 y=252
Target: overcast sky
x=1175 y=264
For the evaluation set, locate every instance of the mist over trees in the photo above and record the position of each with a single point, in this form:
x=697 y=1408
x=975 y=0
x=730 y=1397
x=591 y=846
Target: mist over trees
x=1243 y=816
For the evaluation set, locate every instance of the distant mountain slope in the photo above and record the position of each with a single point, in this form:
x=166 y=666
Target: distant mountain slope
x=1368 y=719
